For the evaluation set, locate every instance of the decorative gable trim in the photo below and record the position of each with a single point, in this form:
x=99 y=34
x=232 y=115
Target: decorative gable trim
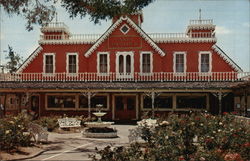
x=29 y=59
x=226 y=58
x=114 y=26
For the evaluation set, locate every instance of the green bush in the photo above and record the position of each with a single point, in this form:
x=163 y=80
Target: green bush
x=12 y=132
x=50 y=122
x=194 y=136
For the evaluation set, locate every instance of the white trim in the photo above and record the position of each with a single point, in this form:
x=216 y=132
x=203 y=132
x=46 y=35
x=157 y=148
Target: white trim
x=210 y=63
x=185 y=62
x=151 y=63
x=67 y=63
x=124 y=25
x=114 y=26
x=54 y=63
x=226 y=58
x=98 y=63
x=124 y=54
x=29 y=59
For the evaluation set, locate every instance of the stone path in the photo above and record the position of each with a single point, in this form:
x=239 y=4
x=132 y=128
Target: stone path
x=76 y=147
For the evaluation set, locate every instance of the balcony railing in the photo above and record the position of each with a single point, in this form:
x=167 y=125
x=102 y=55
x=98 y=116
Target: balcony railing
x=154 y=36
x=203 y=22
x=119 y=77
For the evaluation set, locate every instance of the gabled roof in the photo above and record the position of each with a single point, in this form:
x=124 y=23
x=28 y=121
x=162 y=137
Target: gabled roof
x=226 y=58
x=137 y=29
x=29 y=59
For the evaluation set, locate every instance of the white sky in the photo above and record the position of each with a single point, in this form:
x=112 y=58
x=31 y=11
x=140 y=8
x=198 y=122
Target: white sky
x=231 y=17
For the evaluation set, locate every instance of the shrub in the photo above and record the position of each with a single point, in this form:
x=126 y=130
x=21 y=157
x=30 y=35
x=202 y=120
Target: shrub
x=50 y=122
x=195 y=136
x=12 y=132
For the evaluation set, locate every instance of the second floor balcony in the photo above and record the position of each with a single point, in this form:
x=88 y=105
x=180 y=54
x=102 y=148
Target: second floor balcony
x=129 y=77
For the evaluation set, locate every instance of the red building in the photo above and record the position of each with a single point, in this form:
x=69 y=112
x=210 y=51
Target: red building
x=125 y=69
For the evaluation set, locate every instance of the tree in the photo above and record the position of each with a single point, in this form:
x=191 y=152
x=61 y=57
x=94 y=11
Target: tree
x=43 y=11
x=14 y=60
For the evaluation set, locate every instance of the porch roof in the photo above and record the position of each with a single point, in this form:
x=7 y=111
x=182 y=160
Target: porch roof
x=77 y=86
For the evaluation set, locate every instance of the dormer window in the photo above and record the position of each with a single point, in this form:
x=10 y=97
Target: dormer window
x=49 y=63
x=124 y=29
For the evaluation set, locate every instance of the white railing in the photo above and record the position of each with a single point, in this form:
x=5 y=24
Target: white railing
x=89 y=37
x=203 y=22
x=56 y=25
x=154 y=36
x=182 y=35
x=135 y=77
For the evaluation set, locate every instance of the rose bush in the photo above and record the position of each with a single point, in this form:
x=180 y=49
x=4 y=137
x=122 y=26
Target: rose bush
x=12 y=132
x=194 y=136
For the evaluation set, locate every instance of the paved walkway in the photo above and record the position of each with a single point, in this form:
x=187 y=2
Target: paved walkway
x=76 y=147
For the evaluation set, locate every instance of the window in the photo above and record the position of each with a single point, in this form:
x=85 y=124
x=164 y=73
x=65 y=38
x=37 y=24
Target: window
x=194 y=102
x=179 y=62
x=205 y=62
x=164 y=102
x=83 y=101
x=124 y=29
x=146 y=62
x=61 y=101
x=72 y=63
x=124 y=64
x=49 y=63
x=103 y=62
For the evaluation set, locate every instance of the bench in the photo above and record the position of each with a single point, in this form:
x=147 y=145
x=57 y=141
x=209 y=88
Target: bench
x=69 y=122
x=38 y=132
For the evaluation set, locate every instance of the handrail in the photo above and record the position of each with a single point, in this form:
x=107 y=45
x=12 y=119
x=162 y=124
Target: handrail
x=121 y=77
x=203 y=22
x=154 y=36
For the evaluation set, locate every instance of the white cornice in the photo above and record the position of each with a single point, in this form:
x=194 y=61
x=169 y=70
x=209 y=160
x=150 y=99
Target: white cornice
x=226 y=58
x=67 y=42
x=29 y=59
x=114 y=26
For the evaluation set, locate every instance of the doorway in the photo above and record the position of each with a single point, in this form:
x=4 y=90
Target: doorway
x=125 y=107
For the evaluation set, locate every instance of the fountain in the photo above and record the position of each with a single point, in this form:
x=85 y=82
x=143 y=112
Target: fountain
x=99 y=128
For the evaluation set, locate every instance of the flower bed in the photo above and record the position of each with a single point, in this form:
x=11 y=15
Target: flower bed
x=197 y=136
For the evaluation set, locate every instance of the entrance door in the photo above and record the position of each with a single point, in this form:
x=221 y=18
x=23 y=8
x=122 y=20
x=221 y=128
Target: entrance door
x=125 y=107
x=124 y=64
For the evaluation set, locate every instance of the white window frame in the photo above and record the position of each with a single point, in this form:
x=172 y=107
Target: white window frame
x=185 y=63
x=123 y=31
x=44 y=63
x=98 y=63
x=210 y=63
x=151 y=63
x=67 y=63
x=124 y=53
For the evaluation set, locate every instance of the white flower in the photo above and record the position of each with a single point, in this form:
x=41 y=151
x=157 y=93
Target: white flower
x=7 y=131
x=201 y=124
x=164 y=123
x=220 y=123
x=219 y=130
x=192 y=123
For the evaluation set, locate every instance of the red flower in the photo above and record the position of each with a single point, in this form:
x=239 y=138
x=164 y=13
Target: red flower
x=225 y=113
x=234 y=113
x=247 y=144
x=233 y=157
x=181 y=158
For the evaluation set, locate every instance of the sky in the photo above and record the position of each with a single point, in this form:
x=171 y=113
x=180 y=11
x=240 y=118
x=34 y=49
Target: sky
x=231 y=17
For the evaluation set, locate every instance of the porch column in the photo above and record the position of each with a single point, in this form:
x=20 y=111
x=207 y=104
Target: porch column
x=89 y=95
x=220 y=96
x=153 y=103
